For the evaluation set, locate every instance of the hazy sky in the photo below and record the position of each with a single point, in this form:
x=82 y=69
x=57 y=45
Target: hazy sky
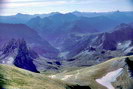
x=11 y=7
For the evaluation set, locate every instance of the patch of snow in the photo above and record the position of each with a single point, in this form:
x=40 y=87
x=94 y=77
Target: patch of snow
x=119 y=44
x=87 y=52
x=123 y=45
x=66 y=77
x=93 y=40
x=63 y=54
x=3 y=62
x=52 y=76
x=10 y=60
x=128 y=49
x=84 y=53
x=109 y=78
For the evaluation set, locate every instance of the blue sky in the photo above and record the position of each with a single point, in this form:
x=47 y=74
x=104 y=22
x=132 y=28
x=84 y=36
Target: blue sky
x=11 y=7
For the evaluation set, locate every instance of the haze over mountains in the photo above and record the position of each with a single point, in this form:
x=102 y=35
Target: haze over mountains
x=54 y=26
x=92 y=49
x=64 y=36
x=21 y=31
x=59 y=43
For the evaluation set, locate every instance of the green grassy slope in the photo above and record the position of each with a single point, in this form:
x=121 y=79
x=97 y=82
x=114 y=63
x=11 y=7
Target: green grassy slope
x=87 y=76
x=15 y=78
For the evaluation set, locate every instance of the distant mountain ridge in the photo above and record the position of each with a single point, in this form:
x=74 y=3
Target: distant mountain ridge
x=78 y=40
x=21 y=18
x=52 y=26
x=93 y=49
x=21 y=31
x=60 y=25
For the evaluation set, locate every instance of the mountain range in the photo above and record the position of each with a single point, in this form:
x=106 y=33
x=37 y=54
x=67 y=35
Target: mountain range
x=76 y=51
x=113 y=74
x=69 y=51
x=21 y=31
x=93 y=49
x=52 y=27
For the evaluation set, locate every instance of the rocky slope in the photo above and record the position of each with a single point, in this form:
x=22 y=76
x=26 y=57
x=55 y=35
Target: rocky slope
x=113 y=74
x=18 y=53
x=78 y=50
x=87 y=50
x=21 y=31
x=24 y=57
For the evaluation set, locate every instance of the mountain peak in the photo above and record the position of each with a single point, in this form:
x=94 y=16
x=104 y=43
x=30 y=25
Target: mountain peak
x=76 y=12
x=123 y=26
x=23 y=58
x=20 y=14
x=53 y=13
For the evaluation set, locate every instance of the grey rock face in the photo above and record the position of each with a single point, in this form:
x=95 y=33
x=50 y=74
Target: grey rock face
x=24 y=58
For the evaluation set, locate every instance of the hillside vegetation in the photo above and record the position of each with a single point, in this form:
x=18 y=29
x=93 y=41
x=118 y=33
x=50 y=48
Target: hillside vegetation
x=87 y=76
x=15 y=78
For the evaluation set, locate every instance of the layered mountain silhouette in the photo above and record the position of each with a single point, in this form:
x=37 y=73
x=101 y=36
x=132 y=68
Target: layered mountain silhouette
x=61 y=47
x=92 y=49
x=21 y=18
x=58 y=26
x=106 y=40
x=70 y=40
x=21 y=31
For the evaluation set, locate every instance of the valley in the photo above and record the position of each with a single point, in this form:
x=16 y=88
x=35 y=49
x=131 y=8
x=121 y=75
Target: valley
x=75 y=50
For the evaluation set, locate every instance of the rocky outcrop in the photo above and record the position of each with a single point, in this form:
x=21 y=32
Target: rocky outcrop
x=123 y=32
x=19 y=53
x=15 y=52
x=9 y=47
x=130 y=65
x=24 y=58
x=88 y=50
